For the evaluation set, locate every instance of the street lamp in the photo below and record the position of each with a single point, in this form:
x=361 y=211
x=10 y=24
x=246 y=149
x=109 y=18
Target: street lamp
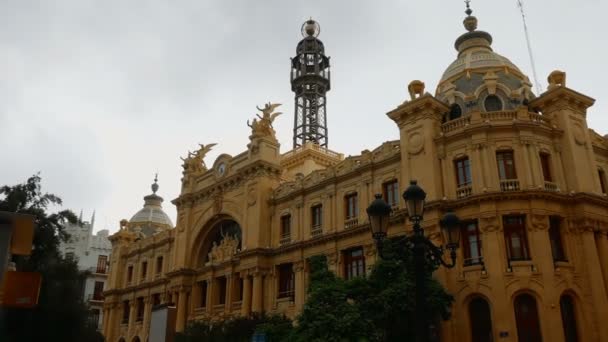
x=424 y=251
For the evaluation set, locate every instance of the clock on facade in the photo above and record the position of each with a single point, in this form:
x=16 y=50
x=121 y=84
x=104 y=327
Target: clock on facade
x=221 y=169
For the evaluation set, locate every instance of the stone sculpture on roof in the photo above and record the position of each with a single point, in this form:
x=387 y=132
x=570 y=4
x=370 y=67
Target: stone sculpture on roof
x=263 y=127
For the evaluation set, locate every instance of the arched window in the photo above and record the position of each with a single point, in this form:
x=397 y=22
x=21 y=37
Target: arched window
x=225 y=235
x=455 y=112
x=526 y=317
x=481 y=320
x=492 y=103
x=566 y=304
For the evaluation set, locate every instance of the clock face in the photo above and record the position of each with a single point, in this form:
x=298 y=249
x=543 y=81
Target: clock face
x=221 y=169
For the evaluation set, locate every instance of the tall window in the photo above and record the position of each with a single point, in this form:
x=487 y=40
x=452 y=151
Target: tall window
x=285 y=226
x=129 y=274
x=455 y=111
x=352 y=208
x=202 y=286
x=94 y=317
x=602 y=175
x=390 y=190
x=140 y=309
x=98 y=291
x=555 y=237
x=481 y=320
x=144 y=269
x=102 y=263
x=492 y=103
x=317 y=216
x=286 y=281
x=526 y=317
x=125 y=312
x=463 y=172
x=156 y=299
x=471 y=243
x=506 y=165
x=566 y=305
x=354 y=263
x=221 y=281
x=159 y=264
x=515 y=237
x=545 y=163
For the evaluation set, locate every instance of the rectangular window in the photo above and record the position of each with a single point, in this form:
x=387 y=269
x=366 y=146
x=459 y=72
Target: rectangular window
x=202 y=286
x=98 y=291
x=351 y=206
x=471 y=243
x=239 y=289
x=463 y=172
x=221 y=291
x=102 y=263
x=390 y=191
x=317 y=216
x=125 y=312
x=144 y=269
x=545 y=163
x=555 y=237
x=285 y=226
x=156 y=299
x=515 y=237
x=94 y=317
x=129 y=274
x=354 y=263
x=140 y=309
x=602 y=175
x=159 y=265
x=286 y=281
x=506 y=165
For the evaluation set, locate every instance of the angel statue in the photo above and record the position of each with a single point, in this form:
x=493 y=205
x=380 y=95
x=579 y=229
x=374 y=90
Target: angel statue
x=263 y=127
x=194 y=161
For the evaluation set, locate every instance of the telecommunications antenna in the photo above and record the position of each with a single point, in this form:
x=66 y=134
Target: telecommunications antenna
x=523 y=18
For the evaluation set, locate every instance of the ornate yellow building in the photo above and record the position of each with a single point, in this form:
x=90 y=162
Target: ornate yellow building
x=524 y=173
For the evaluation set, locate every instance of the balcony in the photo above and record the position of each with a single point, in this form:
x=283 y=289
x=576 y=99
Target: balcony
x=509 y=185
x=98 y=270
x=550 y=186
x=285 y=239
x=464 y=191
x=95 y=297
x=351 y=223
x=316 y=230
x=455 y=124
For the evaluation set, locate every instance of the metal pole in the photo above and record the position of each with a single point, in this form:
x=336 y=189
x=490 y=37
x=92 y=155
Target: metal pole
x=419 y=269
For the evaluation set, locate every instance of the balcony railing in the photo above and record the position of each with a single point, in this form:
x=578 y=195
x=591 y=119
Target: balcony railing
x=286 y=238
x=286 y=294
x=538 y=118
x=95 y=297
x=455 y=124
x=496 y=116
x=509 y=185
x=316 y=231
x=464 y=191
x=550 y=186
x=351 y=223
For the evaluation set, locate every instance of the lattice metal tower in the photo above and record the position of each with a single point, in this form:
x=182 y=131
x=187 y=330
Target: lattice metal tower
x=310 y=81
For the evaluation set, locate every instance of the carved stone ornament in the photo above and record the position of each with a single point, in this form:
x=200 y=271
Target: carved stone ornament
x=226 y=249
x=539 y=222
x=415 y=143
x=194 y=163
x=251 y=196
x=488 y=224
x=217 y=203
x=579 y=134
x=263 y=126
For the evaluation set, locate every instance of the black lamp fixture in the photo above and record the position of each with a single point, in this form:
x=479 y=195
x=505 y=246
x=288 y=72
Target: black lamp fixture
x=414 y=198
x=379 y=212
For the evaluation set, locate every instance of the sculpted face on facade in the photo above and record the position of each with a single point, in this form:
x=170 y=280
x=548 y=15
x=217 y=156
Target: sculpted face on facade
x=524 y=173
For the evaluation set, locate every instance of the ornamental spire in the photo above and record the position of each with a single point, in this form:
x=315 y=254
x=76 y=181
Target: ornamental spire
x=155 y=184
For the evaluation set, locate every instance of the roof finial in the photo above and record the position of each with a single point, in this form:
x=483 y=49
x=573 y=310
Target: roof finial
x=469 y=11
x=155 y=185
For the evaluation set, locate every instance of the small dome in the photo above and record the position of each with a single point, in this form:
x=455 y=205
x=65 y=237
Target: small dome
x=149 y=219
x=479 y=75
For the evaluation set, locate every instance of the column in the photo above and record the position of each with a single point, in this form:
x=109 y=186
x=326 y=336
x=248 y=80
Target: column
x=228 y=299
x=523 y=151
x=108 y=320
x=492 y=181
x=132 y=313
x=147 y=312
x=300 y=289
x=180 y=321
x=596 y=282
x=256 y=302
x=209 y=294
x=246 y=302
x=601 y=240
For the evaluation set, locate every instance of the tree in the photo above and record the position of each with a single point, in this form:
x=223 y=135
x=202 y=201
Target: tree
x=61 y=314
x=380 y=307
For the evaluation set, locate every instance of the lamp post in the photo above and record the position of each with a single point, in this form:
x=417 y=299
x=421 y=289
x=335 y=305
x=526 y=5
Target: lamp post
x=424 y=251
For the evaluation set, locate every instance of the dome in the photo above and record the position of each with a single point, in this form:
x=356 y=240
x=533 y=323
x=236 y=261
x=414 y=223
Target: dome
x=151 y=218
x=481 y=79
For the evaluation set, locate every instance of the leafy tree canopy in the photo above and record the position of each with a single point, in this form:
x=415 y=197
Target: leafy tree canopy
x=61 y=314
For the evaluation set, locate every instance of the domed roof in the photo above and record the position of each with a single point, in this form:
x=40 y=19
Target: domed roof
x=151 y=217
x=479 y=72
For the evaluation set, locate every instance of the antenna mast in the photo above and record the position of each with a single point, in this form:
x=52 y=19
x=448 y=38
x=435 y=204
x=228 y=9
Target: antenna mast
x=523 y=18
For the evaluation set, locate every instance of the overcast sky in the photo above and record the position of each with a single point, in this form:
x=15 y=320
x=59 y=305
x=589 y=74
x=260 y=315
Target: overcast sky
x=100 y=95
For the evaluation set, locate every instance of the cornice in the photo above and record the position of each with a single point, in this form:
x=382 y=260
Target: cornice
x=424 y=104
x=562 y=93
x=134 y=249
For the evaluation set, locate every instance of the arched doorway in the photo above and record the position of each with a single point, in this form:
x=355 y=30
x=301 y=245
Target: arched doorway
x=566 y=305
x=122 y=339
x=136 y=339
x=526 y=316
x=222 y=241
x=481 y=320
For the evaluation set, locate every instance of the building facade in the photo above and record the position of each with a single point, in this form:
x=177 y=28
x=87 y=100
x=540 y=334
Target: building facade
x=92 y=252
x=523 y=172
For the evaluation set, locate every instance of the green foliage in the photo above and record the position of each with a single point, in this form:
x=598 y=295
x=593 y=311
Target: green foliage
x=61 y=314
x=380 y=307
x=237 y=329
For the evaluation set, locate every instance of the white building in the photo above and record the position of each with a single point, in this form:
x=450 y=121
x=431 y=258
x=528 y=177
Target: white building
x=92 y=253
